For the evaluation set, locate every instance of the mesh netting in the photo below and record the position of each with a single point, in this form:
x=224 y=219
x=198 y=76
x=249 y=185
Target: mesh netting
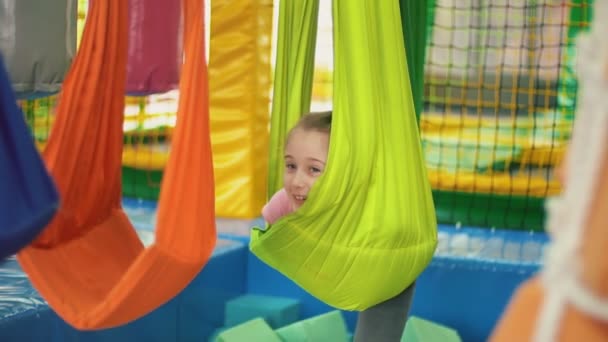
x=500 y=95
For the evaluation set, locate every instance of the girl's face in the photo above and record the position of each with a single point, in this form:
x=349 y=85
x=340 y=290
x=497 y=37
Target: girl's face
x=305 y=158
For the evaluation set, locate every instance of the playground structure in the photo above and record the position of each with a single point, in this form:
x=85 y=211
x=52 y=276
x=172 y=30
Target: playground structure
x=499 y=98
x=500 y=94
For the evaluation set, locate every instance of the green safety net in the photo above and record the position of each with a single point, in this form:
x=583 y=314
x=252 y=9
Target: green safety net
x=500 y=94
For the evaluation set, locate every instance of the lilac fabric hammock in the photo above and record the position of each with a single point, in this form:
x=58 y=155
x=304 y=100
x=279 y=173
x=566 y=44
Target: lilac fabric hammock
x=155 y=49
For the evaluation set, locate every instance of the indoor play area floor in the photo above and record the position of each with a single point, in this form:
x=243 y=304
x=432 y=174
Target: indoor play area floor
x=465 y=288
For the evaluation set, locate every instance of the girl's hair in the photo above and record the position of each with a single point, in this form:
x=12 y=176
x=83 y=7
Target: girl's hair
x=314 y=121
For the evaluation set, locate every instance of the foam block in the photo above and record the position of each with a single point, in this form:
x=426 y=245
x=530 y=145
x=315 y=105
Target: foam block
x=325 y=327
x=216 y=334
x=421 y=330
x=277 y=311
x=255 y=330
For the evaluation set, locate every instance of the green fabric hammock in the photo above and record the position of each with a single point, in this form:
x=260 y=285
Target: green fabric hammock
x=368 y=227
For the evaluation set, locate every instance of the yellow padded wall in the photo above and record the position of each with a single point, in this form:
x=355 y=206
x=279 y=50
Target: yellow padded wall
x=240 y=82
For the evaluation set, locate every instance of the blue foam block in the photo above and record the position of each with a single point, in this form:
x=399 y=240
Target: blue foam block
x=277 y=311
x=475 y=270
x=203 y=302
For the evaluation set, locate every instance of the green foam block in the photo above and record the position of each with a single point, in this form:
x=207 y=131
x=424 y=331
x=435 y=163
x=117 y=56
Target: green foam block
x=255 y=330
x=215 y=336
x=277 y=311
x=325 y=327
x=421 y=330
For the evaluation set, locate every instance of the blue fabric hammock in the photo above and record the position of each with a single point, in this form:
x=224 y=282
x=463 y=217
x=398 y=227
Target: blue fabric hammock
x=28 y=197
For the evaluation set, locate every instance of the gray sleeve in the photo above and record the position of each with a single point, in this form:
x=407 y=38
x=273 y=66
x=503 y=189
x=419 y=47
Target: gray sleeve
x=385 y=322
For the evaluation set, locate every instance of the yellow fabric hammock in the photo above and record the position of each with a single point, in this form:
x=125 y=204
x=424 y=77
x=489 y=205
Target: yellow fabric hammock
x=89 y=263
x=368 y=228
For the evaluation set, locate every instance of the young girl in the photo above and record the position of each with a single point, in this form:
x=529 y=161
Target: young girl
x=305 y=157
x=306 y=152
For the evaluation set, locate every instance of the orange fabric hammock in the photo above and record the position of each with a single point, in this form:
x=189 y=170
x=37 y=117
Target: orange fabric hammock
x=521 y=317
x=89 y=263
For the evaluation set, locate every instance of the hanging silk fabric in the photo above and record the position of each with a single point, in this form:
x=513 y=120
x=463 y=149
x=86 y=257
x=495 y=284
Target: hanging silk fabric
x=414 y=25
x=89 y=263
x=367 y=229
x=28 y=198
x=155 y=50
x=154 y=46
x=568 y=299
x=293 y=78
x=38 y=41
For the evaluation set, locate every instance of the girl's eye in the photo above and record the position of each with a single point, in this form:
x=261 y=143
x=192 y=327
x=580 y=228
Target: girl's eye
x=315 y=170
x=290 y=166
